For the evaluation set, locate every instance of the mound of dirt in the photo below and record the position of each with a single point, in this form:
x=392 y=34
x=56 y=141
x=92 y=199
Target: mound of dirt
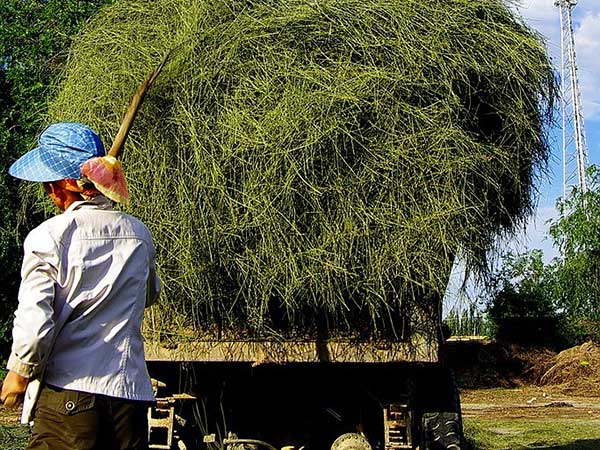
x=575 y=371
x=484 y=363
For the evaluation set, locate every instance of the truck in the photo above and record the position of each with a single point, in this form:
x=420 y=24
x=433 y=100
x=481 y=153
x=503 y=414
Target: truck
x=310 y=171
x=322 y=393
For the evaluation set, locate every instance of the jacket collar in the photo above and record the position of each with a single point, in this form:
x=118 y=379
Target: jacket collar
x=98 y=202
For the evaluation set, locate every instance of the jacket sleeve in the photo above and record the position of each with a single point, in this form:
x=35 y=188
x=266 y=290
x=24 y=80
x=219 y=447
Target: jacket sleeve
x=33 y=326
x=154 y=286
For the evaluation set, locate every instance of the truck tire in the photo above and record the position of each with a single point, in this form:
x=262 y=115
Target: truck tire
x=442 y=431
x=441 y=419
x=351 y=441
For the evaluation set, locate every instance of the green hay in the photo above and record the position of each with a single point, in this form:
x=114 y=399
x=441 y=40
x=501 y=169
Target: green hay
x=310 y=164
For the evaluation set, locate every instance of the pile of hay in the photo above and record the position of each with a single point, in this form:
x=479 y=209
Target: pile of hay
x=575 y=371
x=312 y=164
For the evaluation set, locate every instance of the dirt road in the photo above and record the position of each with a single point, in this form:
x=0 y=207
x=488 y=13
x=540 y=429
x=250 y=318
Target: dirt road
x=530 y=417
x=528 y=402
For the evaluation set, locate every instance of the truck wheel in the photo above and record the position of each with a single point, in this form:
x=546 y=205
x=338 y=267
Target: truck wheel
x=351 y=441
x=442 y=431
x=441 y=419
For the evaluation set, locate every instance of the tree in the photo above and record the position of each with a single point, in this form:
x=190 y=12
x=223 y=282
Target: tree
x=34 y=39
x=576 y=233
x=521 y=287
x=523 y=307
x=469 y=322
x=565 y=293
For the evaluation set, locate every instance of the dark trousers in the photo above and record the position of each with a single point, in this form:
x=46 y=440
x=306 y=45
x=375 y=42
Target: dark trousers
x=71 y=420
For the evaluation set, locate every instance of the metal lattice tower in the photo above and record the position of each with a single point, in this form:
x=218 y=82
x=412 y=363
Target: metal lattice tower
x=575 y=150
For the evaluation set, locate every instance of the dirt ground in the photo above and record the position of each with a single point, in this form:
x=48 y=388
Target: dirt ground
x=528 y=402
x=500 y=381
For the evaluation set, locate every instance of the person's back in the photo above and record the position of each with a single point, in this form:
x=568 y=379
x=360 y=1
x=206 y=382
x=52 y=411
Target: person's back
x=87 y=276
x=103 y=259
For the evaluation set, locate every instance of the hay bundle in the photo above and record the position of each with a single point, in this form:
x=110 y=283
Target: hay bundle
x=317 y=161
x=575 y=371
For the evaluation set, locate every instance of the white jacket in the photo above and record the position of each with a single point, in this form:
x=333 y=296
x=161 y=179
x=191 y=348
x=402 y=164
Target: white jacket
x=87 y=273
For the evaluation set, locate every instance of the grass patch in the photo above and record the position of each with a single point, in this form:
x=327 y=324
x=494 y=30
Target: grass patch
x=516 y=434
x=13 y=437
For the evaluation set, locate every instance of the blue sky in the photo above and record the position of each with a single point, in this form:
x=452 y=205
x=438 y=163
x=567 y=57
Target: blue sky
x=543 y=16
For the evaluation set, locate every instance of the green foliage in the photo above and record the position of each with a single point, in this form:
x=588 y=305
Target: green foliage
x=14 y=437
x=567 y=289
x=322 y=159
x=576 y=233
x=522 y=287
x=469 y=322
x=34 y=37
x=522 y=306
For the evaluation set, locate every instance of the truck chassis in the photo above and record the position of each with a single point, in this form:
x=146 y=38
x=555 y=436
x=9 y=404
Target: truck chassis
x=311 y=395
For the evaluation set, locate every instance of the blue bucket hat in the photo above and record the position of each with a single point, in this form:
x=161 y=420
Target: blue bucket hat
x=62 y=148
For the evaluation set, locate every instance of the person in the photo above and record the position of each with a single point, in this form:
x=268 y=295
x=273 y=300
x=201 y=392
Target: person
x=87 y=276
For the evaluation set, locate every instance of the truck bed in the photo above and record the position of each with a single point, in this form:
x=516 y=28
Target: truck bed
x=420 y=348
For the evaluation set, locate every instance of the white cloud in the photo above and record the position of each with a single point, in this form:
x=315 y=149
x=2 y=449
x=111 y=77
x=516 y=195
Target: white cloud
x=538 y=9
x=543 y=16
x=587 y=42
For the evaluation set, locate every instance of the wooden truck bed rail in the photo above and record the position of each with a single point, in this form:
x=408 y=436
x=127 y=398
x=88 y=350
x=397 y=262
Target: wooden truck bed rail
x=418 y=349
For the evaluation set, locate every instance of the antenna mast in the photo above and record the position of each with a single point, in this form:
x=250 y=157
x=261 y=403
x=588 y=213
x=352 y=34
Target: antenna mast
x=575 y=150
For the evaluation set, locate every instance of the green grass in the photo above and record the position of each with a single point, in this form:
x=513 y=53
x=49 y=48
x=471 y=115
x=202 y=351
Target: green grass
x=516 y=434
x=13 y=437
